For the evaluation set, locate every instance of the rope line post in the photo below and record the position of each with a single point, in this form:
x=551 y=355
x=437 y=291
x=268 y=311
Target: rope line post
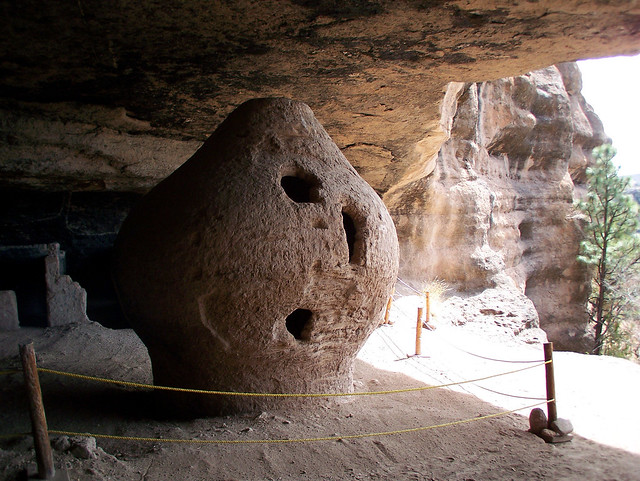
x=427 y=304
x=44 y=458
x=419 y=332
x=388 y=310
x=551 y=383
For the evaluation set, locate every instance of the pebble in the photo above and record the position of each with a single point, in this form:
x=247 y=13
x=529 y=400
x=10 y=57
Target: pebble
x=537 y=421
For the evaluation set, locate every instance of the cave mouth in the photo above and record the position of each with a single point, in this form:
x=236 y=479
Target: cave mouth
x=299 y=324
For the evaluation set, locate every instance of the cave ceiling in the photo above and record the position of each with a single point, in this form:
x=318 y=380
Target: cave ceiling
x=115 y=95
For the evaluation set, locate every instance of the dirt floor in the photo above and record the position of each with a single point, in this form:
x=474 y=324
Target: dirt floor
x=599 y=395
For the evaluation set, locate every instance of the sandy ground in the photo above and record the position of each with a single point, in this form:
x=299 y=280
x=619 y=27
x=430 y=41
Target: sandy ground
x=599 y=395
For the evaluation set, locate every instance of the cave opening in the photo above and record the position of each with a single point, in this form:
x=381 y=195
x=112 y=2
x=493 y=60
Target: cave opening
x=299 y=323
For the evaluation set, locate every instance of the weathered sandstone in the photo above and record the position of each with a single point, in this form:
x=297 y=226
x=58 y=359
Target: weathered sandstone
x=497 y=211
x=261 y=265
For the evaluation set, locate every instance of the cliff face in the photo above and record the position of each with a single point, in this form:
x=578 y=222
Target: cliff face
x=497 y=211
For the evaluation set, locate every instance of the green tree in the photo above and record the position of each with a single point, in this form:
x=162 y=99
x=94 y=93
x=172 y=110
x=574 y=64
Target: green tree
x=612 y=247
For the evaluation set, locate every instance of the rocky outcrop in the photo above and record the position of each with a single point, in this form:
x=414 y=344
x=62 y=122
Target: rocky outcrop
x=66 y=299
x=95 y=93
x=261 y=265
x=497 y=211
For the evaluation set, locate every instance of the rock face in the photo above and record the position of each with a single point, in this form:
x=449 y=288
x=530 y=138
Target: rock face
x=8 y=311
x=497 y=211
x=95 y=93
x=66 y=299
x=261 y=265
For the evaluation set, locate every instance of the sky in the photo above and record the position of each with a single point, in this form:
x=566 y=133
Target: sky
x=611 y=86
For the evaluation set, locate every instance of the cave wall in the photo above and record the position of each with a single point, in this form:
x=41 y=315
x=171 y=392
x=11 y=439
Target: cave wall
x=497 y=211
x=99 y=101
x=85 y=224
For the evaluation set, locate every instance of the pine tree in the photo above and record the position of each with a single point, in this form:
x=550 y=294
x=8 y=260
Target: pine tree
x=611 y=246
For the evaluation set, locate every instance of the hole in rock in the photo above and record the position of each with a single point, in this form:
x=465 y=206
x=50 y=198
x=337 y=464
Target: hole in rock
x=298 y=324
x=350 y=231
x=298 y=189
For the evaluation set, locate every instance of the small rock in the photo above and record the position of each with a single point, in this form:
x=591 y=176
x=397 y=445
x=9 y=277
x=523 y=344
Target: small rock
x=83 y=447
x=547 y=435
x=537 y=421
x=246 y=430
x=561 y=438
x=61 y=443
x=562 y=426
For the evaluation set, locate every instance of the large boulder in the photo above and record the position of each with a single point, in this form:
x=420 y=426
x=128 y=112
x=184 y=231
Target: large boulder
x=261 y=265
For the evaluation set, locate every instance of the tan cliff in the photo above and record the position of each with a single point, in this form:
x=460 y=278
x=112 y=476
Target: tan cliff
x=497 y=209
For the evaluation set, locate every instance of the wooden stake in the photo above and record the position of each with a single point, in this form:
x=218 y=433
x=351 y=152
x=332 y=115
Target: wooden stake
x=386 y=313
x=46 y=470
x=552 y=413
x=419 y=333
x=427 y=304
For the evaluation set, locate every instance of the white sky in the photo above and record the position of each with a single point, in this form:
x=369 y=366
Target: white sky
x=612 y=87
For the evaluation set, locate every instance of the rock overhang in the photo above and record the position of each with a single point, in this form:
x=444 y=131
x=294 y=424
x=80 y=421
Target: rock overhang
x=374 y=72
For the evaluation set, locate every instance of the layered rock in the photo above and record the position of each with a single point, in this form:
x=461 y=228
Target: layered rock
x=261 y=265
x=95 y=92
x=497 y=211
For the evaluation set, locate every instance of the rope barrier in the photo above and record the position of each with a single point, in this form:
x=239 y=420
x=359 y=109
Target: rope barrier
x=407 y=285
x=487 y=358
x=9 y=371
x=404 y=314
x=297 y=440
x=418 y=365
x=15 y=435
x=511 y=395
x=254 y=394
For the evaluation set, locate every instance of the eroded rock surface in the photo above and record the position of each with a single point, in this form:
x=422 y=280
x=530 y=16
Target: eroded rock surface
x=261 y=265
x=497 y=212
x=89 y=87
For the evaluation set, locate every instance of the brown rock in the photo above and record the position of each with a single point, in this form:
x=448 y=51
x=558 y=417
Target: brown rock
x=537 y=421
x=374 y=73
x=562 y=426
x=261 y=265
x=548 y=435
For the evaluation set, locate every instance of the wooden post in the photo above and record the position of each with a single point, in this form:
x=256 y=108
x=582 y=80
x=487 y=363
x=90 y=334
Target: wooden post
x=419 y=332
x=46 y=470
x=427 y=304
x=386 y=313
x=551 y=383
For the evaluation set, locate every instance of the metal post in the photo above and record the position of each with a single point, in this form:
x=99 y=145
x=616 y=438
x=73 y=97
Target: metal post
x=44 y=458
x=419 y=332
x=551 y=383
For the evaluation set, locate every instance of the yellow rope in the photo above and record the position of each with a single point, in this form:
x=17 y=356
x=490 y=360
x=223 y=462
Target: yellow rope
x=10 y=371
x=15 y=435
x=299 y=440
x=255 y=394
